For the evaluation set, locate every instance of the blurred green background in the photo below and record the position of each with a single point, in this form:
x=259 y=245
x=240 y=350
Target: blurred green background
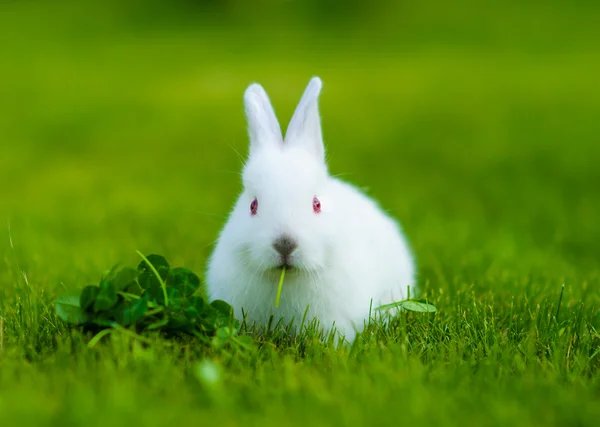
x=474 y=123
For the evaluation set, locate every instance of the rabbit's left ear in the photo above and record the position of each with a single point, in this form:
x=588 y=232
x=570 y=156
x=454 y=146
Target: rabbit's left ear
x=263 y=127
x=305 y=125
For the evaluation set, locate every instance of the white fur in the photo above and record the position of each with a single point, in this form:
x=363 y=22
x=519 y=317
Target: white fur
x=348 y=255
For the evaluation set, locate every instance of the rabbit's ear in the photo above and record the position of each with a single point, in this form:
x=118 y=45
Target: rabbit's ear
x=305 y=126
x=263 y=127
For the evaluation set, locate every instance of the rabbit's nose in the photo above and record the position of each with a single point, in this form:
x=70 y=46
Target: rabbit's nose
x=285 y=245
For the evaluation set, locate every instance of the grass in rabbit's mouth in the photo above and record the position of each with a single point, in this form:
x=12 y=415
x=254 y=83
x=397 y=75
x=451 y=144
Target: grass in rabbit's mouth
x=280 y=287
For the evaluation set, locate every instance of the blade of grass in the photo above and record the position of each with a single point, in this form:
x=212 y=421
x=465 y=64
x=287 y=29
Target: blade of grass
x=160 y=280
x=280 y=287
x=129 y=295
x=132 y=334
x=96 y=339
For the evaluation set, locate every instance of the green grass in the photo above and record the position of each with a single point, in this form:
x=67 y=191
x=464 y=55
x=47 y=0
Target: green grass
x=477 y=128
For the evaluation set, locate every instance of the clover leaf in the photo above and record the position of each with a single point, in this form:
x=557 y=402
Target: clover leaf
x=125 y=278
x=106 y=298
x=68 y=308
x=130 y=311
x=147 y=277
x=183 y=280
x=88 y=297
x=152 y=296
x=410 y=305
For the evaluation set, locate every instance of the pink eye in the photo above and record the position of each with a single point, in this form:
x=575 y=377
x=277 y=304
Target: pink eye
x=316 y=205
x=253 y=207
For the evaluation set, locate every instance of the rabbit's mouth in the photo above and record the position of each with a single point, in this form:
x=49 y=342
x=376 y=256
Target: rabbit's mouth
x=286 y=262
x=285 y=265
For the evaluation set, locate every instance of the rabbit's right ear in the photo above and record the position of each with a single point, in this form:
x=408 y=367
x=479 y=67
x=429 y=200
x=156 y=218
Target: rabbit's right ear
x=305 y=126
x=263 y=127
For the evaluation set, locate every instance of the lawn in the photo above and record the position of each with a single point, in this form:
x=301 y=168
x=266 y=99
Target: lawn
x=121 y=129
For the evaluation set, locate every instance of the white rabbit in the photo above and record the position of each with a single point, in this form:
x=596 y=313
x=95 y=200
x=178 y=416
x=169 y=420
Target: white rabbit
x=343 y=255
